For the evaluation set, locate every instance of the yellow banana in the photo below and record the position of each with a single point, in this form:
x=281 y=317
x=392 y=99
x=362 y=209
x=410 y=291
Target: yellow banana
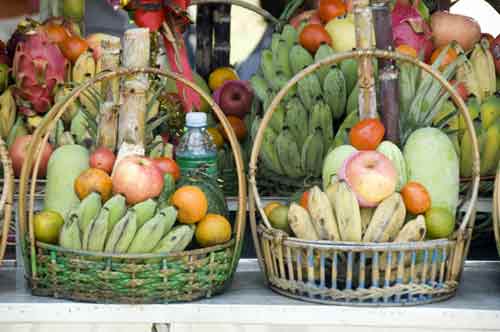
x=387 y=220
x=491 y=149
x=322 y=215
x=484 y=68
x=346 y=207
x=7 y=113
x=366 y=216
x=300 y=223
x=466 y=74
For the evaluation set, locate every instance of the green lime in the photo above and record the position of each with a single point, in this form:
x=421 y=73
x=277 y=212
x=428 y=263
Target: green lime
x=48 y=224
x=279 y=218
x=440 y=223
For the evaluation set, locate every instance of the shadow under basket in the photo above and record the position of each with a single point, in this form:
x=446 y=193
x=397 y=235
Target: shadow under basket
x=362 y=273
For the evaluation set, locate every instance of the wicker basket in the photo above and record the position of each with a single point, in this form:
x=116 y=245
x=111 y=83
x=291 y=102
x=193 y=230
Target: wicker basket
x=6 y=198
x=112 y=278
x=496 y=209
x=361 y=273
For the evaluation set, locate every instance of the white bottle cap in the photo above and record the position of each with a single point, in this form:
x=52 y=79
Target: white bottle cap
x=196 y=119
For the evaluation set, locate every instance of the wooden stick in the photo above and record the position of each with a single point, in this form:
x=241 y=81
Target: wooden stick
x=109 y=60
x=222 y=36
x=204 y=40
x=364 y=40
x=107 y=129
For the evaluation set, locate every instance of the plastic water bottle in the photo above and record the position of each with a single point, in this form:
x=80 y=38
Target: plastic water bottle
x=196 y=149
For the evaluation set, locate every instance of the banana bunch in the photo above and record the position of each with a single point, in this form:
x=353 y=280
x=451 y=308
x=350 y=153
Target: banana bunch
x=112 y=228
x=7 y=113
x=301 y=130
x=336 y=215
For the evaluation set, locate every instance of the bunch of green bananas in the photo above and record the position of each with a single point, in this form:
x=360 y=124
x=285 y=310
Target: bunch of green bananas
x=111 y=228
x=301 y=130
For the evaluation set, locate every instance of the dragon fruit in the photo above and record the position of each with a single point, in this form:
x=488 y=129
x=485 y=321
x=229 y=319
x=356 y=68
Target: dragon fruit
x=38 y=67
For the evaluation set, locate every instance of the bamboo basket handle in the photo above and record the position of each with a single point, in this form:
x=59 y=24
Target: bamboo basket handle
x=6 y=198
x=496 y=208
x=41 y=134
x=360 y=54
x=244 y=4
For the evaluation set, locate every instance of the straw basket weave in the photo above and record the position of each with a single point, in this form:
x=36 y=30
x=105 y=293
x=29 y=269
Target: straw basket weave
x=496 y=209
x=5 y=198
x=122 y=278
x=362 y=273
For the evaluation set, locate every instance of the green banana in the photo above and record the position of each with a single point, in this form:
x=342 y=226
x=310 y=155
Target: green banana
x=288 y=154
x=117 y=208
x=275 y=39
x=176 y=240
x=278 y=119
x=281 y=61
x=342 y=136
x=70 y=233
x=309 y=90
x=349 y=68
x=168 y=190
x=268 y=153
x=299 y=58
x=150 y=234
x=491 y=152
x=296 y=119
x=466 y=155
x=144 y=211
x=352 y=101
x=335 y=93
x=55 y=134
x=312 y=153
x=255 y=127
x=323 y=52
x=289 y=35
x=80 y=128
x=274 y=79
x=466 y=74
x=326 y=122
x=490 y=111
x=94 y=237
x=260 y=87
x=88 y=209
x=122 y=234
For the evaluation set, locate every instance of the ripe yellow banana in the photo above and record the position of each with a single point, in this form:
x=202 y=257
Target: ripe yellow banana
x=387 y=220
x=84 y=69
x=366 y=216
x=300 y=223
x=346 y=207
x=7 y=113
x=322 y=215
x=484 y=68
x=467 y=74
x=490 y=153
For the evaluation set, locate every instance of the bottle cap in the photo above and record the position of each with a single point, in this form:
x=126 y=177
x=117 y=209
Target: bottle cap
x=196 y=119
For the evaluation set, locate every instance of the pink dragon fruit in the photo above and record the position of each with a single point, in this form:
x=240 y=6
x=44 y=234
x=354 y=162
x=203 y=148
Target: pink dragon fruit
x=38 y=67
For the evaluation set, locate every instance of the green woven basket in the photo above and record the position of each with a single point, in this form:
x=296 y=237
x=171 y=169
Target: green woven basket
x=111 y=278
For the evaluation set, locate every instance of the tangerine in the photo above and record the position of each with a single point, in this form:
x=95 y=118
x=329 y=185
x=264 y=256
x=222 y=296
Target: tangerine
x=407 y=50
x=220 y=75
x=94 y=180
x=367 y=134
x=416 y=198
x=238 y=125
x=330 y=9
x=312 y=36
x=191 y=204
x=212 y=230
x=72 y=47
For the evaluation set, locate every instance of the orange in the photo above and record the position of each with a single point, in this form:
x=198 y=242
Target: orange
x=239 y=127
x=72 y=47
x=330 y=9
x=56 y=33
x=270 y=207
x=304 y=199
x=416 y=198
x=212 y=230
x=216 y=137
x=313 y=36
x=220 y=75
x=94 y=180
x=191 y=204
x=367 y=134
x=407 y=49
x=450 y=56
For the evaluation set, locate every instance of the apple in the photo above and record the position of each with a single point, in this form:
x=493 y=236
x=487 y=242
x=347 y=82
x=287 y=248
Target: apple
x=137 y=178
x=309 y=16
x=17 y=153
x=343 y=34
x=167 y=165
x=371 y=176
x=495 y=50
x=102 y=158
x=234 y=98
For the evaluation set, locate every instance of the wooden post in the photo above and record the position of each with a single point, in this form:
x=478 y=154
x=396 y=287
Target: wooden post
x=364 y=40
x=388 y=72
x=109 y=60
x=132 y=117
x=107 y=130
x=222 y=36
x=204 y=40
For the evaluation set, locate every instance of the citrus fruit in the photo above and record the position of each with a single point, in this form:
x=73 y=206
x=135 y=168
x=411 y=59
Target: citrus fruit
x=271 y=206
x=48 y=225
x=279 y=218
x=450 y=56
x=367 y=134
x=439 y=222
x=407 y=49
x=416 y=198
x=220 y=75
x=216 y=137
x=212 y=230
x=312 y=36
x=72 y=47
x=330 y=9
x=238 y=125
x=304 y=199
x=56 y=33
x=191 y=204
x=94 y=180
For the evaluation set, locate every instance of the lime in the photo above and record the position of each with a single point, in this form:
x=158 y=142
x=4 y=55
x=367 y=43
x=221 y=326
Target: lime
x=440 y=223
x=279 y=218
x=48 y=224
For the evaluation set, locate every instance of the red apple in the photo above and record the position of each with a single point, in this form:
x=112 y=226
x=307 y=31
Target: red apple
x=371 y=176
x=167 y=165
x=103 y=159
x=18 y=152
x=137 y=178
x=461 y=89
x=495 y=50
x=309 y=16
x=235 y=98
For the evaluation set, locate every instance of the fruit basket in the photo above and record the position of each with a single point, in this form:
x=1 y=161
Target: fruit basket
x=125 y=276
x=6 y=198
x=372 y=272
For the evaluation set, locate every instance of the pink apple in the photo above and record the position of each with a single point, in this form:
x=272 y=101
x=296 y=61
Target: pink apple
x=17 y=153
x=371 y=176
x=137 y=178
x=103 y=159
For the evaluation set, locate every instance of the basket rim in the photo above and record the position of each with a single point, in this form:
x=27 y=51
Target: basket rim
x=7 y=197
x=41 y=134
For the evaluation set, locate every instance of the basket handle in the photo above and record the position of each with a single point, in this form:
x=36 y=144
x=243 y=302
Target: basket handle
x=41 y=134
x=7 y=197
x=336 y=58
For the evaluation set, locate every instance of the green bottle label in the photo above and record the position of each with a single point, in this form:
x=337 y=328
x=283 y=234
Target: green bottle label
x=208 y=164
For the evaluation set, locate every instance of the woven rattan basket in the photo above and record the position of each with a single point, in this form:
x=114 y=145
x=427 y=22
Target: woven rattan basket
x=111 y=278
x=355 y=273
x=496 y=209
x=6 y=198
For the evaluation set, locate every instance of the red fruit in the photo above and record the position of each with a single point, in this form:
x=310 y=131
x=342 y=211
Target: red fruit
x=367 y=134
x=495 y=50
x=235 y=98
x=304 y=199
x=17 y=153
x=73 y=47
x=103 y=158
x=167 y=165
x=461 y=88
x=330 y=9
x=152 y=19
x=312 y=36
x=309 y=16
x=56 y=33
